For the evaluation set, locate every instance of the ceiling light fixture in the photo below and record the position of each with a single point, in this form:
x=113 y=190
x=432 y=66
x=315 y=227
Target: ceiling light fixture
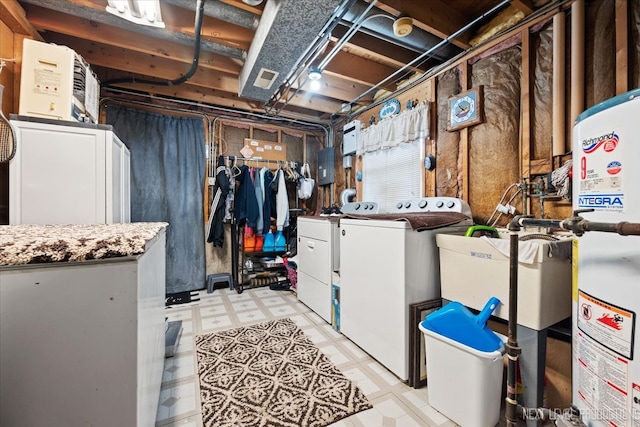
x=252 y=2
x=315 y=74
x=143 y=12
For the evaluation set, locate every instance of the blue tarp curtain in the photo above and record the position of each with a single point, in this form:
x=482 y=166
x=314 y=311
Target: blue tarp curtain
x=167 y=184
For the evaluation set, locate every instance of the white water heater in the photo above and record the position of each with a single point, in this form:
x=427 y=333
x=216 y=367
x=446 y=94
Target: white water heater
x=606 y=266
x=57 y=83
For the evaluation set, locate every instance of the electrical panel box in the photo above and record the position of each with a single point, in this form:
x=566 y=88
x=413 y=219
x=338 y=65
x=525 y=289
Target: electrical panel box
x=326 y=169
x=350 y=137
x=57 y=84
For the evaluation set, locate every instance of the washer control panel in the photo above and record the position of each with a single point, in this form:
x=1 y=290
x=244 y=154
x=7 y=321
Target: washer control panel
x=432 y=204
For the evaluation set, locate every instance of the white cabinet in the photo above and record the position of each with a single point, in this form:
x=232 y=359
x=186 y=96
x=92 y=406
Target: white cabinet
x=318 y=257
x=68 y=173
x=82 y=343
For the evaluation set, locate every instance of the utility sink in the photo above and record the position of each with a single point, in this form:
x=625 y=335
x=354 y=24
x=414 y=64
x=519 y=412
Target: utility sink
x=473 y=269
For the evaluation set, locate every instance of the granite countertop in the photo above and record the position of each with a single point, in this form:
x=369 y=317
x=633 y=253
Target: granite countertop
x=36 y=244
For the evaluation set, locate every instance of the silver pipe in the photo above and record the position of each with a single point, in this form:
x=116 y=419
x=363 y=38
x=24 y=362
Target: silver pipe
x=304 y=123
x=435 y=70
x=356 y=25
x=432 y=49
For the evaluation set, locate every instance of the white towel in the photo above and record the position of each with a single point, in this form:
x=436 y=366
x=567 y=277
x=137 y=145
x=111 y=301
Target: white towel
x=526 y=250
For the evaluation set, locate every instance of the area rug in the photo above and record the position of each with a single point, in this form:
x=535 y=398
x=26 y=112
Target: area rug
x=269 y=375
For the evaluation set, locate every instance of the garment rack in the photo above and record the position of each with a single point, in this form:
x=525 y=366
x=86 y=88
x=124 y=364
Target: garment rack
x=237 y=254
x=228 y=160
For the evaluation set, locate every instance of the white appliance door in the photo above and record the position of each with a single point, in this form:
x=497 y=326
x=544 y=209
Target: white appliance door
x=372 y=290
x=606 y=296
x=58 y=175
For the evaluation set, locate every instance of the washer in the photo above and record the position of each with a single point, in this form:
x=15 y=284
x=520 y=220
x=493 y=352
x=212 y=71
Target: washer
x=384 y=266
x=319 y=256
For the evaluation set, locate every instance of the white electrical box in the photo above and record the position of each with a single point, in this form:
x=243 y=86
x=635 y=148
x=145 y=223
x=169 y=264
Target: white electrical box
x=57 y=84
x=350 y=137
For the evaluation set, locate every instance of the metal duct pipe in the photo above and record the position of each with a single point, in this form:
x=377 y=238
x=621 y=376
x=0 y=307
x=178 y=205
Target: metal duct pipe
x=346 y=195
x=418 y=40
x=428 y=53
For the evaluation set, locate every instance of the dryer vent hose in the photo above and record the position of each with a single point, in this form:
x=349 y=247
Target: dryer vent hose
x=346 y=195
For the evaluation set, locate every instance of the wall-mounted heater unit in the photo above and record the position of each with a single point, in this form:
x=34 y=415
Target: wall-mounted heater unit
x=57 y=83
x=350 y=137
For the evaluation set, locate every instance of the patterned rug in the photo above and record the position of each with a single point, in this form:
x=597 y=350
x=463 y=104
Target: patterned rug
x=271 y=374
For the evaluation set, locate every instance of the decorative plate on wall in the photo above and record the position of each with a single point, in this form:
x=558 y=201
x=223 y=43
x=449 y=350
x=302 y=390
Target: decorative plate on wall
x=389 y=109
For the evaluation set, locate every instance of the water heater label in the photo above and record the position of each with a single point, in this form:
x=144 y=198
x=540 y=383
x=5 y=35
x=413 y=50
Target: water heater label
x=602 y=384
x=607 y=324
x=601 y=170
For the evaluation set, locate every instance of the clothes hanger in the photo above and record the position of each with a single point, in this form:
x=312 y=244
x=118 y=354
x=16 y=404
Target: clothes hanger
x=235 y=170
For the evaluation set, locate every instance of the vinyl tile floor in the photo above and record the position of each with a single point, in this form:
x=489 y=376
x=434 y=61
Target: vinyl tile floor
x=394 y=403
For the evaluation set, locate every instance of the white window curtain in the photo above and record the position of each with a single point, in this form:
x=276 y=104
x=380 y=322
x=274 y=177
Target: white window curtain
x=405 y=127
x=393 y=154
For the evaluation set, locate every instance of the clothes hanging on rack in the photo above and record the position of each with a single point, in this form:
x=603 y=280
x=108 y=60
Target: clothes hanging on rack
x=282 y=203
x=215 y=230
x=257 y=183
x=246 y=205
x=233 y=172
x=269 y=202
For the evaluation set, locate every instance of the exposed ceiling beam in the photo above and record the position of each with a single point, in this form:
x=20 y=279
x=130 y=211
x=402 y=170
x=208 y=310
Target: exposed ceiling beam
x=302 y=102
x=434 y=16
x=135 y=62
x=58 y=22
x=379 y=50
x=222 y=11
x=358 y=69
x=13 y=16
x=242 y=5
x=88 y=10
x=525 y=6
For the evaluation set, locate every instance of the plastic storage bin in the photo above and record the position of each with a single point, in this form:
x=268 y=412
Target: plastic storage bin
x=463 y=383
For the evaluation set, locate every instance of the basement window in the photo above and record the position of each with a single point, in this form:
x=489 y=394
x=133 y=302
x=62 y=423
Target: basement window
x=394 y=174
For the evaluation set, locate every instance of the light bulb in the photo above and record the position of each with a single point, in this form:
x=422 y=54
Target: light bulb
x=315 y=85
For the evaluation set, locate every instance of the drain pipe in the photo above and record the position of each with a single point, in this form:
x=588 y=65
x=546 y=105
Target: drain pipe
x=513 y=350
x=194 y=63
x=578 y=226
